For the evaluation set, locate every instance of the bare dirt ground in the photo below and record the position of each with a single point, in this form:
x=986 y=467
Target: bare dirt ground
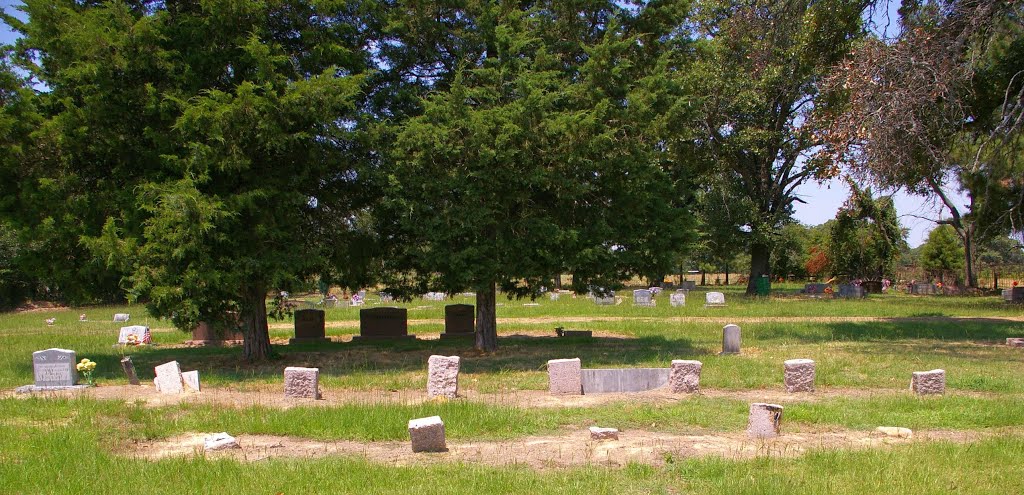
x=272 y=396
x=572 y=448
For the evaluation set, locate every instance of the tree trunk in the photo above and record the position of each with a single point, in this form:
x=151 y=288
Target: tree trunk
x=726 y=274
x=995 y=280
x=486 y=319
x=970 y=277
x=256 y=346
x=703 y=281
x=759 y=258
x=558 y=282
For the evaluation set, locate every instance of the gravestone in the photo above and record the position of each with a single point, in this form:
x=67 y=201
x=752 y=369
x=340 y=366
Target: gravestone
x=191 y=380
x=553 y=296
x=309 y=326
x=872 y=286
x=1015 y=342
x=121 y=317
x=564 y=377
x=168 y=378
x=302 y=383
x=141 y=333
x=922 y=289
x=459 y=321
x=850 y=291
x=434 y=296
x=598 y=433
x=765 y=420
x=617 y=380
x=798 y=375
x=561 y=332
x=386 y=298
x=383 y=323
x=677 y=299
x=605 y=300
x=129 y=370
x=928 y=382
x=643 y=297
x=689 y=285
x=712 y=299
x=206 y=334
x=427 y=434
x=685 y=376
x=54 y=368
x=731 y=339
x=1014 y=295
x=815 y=289
x=443 y=376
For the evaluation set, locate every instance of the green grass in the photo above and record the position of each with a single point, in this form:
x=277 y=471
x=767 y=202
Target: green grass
x=75 y=440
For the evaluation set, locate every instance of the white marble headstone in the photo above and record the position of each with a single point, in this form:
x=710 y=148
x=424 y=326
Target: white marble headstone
x=121 y=317
x=168 y=378
x=139 y=331
x=714 y=299
x=677 y=299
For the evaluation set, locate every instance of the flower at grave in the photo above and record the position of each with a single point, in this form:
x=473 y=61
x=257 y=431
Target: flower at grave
x=1014 y=283
x=86 y=367
x=131 y=339
x=828 y=290
x=81 y=317
x=939 y=285
x=51 y=321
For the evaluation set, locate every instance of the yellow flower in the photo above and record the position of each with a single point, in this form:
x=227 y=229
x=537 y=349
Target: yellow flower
x=85 y=360
x=80 y=367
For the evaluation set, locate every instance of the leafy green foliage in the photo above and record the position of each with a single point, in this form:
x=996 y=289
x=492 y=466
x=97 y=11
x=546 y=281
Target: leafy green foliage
x=866 y=239
x=942 y=252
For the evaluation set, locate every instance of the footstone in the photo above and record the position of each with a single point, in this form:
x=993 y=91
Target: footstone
x=121 y=317
x=764 y=421
x=427 y=434
x=685 y=376
x=443 y=376
x=129 y=370
x=1015 y=342
x=191 y=380
x=597 y=433
x=303 y=383
x=168 y=378
x=618 y=380
x=565 y=377
x=799 y=375
x=928 y=382
x=220 y=441
x=54 y=368
x=573 y=333
x=895 y=431
x=731 y=339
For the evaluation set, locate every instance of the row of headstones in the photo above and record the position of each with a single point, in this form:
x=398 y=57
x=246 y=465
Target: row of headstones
x=846 y=291
x=384 y=323
x=645 y=297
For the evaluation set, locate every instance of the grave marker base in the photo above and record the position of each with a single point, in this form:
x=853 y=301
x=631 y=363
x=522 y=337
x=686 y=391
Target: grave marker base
x=28 y=389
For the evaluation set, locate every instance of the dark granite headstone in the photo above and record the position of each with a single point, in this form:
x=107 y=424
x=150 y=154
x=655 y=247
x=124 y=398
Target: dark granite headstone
x=850 y=291
x=383 y=323
x=815 y=289
x=459 y=321
x=309 y=326
x=872 y=286
x=922 y=289
x=1014 y=295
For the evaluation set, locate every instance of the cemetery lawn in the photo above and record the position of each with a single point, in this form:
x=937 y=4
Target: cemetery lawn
x=969 y=440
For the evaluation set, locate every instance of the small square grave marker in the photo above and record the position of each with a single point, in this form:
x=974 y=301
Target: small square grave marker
x=303 y=383
x=565 y=377
x=427 y=434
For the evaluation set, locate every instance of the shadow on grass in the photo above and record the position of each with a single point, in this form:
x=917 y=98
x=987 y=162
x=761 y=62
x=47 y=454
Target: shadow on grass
x=990 y=330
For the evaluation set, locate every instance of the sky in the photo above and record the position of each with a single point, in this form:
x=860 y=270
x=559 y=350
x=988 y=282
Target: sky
x=822 y=200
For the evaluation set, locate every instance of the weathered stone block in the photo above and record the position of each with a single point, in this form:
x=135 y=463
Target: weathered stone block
x=731 y=339
x=565 y=377
x=597 y=433
x=684 y=378
x=617 y=380
x=220 y=441
x=799 y=375
x=764 y=421
x=191 y=380
x=168 y=378
x=443 y=376
x=1015 y=342
x=928 y=382
x=303 y=383
x=427 y=434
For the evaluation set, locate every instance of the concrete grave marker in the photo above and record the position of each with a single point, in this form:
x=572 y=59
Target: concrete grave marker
x=565 y=377
x=459 y=321
x=141 y=333
x=168 y=378
x=54 y=368
x=689 y=285
x=121 y=317
x=713 y=299
x=302 y=383
x=685 y=376
x=616 y=380
x=677 y=299
x=553 y=296
x=643 y=297
x=597 y=433
x=309 y=326
x=443 y=376
x=220 y=441
x=928 y=382
x=427 y=434
x=191 y=380
x=765 y=420
x=731 y=339
x=850 y=291
x=799 y=375
x=605 y=300
x=1015 y=342
x=434 y=296
x=383 y=323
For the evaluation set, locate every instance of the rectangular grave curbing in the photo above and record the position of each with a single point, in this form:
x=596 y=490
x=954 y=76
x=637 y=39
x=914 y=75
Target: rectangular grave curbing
x=764 y=421
x=459 y=321
x=427 y=434
x=383 y=323
x=685 y=376
x=302 y=383
x=798 y=375
x=310 y=326
x=565 y=377
x=616 y=380
x=928 y=382
x=443 y=376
